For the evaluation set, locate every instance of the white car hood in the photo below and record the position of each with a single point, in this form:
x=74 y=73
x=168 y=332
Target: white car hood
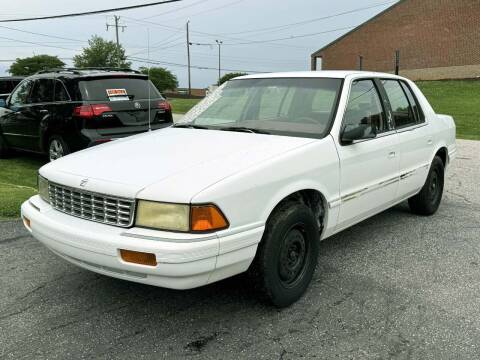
x=167 y=165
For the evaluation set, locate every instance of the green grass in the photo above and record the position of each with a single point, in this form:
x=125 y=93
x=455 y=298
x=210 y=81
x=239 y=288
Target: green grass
x=458 y=98
x=18 y=181
x=181 y=106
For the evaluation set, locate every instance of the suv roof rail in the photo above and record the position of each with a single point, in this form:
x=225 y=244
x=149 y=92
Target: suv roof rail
x=78 y=71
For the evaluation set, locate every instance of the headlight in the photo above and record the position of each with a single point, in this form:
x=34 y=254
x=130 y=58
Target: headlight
x=180 y=217
x=43 y=188
x=163 y=216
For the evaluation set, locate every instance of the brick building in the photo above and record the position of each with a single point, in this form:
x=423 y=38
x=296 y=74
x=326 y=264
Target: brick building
x=436 y=39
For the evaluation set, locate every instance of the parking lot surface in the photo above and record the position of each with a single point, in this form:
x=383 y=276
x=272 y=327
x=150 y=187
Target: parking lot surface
x=395 y=286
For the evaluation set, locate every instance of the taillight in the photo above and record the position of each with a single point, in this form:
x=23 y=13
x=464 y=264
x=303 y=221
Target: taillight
x=164 y=105
x=89 y=111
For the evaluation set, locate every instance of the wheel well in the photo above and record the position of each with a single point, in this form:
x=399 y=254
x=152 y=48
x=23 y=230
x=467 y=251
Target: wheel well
x=443 y=154
x=311 y=198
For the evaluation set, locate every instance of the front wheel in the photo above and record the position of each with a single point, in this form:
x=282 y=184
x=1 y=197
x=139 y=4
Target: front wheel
x=427 y=201
x=287 y=255
x=57 y=148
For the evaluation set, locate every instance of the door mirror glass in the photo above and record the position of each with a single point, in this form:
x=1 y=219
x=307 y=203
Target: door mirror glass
x=3 y=103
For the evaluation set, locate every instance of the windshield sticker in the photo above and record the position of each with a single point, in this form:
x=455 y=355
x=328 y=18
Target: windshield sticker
x=116 y=92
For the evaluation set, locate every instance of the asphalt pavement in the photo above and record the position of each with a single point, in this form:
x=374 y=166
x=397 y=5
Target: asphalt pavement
x=396 y=286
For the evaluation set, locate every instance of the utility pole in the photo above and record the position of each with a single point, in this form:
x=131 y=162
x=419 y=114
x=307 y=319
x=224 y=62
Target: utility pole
x=188 y=56
x=219 y=43
x=397 y=62
x=116 y=26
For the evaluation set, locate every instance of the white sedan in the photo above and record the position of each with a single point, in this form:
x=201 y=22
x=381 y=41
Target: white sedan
x=251 y=179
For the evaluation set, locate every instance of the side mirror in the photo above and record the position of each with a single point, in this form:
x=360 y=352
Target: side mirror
x=3 y=103
x=352 y=133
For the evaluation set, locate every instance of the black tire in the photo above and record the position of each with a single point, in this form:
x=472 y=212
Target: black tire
x=427 y=201
x=4 y=150
x=57 y=148
x=287 y=255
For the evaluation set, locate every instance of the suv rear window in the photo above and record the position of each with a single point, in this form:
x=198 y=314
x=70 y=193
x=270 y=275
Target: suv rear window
x=135 y=88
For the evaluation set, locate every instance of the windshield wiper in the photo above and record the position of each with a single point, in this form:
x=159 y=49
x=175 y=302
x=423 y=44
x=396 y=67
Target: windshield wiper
x=190 y=126
x=243 y=129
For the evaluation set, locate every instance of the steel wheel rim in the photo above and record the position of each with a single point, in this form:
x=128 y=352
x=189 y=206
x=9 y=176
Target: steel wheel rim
x=55 y=150
x=293 y=256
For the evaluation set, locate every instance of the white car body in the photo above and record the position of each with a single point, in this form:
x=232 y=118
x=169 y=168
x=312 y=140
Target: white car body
x=246 y=175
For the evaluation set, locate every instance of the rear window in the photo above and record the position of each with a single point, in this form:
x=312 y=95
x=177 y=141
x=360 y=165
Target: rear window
x=111 y=89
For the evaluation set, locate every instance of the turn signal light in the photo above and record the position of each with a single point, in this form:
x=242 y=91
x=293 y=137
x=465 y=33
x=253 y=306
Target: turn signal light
x=137 y=257
x=207 y=218
x=27 y=223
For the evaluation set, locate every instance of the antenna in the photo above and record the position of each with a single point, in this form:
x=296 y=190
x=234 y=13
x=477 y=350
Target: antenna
x=148 y=82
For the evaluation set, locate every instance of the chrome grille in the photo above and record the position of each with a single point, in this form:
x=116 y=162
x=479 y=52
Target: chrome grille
x=92 y=206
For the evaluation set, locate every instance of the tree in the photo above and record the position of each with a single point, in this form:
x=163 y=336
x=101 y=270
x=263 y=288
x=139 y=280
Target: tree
x=229 y=76
x=30 y=65
x=101 y=53
x=162 y=78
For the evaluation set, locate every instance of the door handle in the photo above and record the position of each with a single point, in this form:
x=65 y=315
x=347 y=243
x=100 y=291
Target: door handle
x=392 y=154
x=430 y=142
x=43 y=111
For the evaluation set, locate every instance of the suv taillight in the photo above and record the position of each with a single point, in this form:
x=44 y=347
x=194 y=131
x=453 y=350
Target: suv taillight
x=90 y=111
x=164 y=105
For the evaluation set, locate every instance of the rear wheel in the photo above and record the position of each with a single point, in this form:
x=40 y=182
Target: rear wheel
x=287 y=255
x=57 y=148
x=428 y=200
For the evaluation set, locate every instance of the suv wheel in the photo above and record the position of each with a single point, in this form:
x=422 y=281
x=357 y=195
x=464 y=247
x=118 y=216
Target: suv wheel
x=427 y=201
x=287 y=255
x=57 y=148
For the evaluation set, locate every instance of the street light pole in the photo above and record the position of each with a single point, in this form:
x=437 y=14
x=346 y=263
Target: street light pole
x=188 y=60
x=219 y=43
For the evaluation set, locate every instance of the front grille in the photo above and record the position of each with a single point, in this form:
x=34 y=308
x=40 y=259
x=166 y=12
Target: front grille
x=92 y=206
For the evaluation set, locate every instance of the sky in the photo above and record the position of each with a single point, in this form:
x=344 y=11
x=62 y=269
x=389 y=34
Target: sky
x=257 y=35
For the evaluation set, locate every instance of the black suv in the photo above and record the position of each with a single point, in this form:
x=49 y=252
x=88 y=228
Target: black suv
x=7 y=84
x=61 y=111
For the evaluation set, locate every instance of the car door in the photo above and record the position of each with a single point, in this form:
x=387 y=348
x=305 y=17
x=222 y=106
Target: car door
x=369 y=167
x=414 y=138
x=42 y=110
x=17 y=113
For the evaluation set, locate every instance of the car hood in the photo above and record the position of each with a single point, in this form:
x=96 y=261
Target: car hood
x=168 y=165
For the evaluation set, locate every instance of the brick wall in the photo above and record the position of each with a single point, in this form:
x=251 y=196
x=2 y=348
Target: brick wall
x=430 y=34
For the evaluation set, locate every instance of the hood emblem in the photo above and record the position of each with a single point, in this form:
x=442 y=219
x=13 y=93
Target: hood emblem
x=137 y=105
x=83 y=183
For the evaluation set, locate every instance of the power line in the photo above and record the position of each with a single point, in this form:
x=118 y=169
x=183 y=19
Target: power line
x=285 y=26
x=92 y=12
x=40 y=44
x=292 y=37
x=175 y=10
x=40 y=34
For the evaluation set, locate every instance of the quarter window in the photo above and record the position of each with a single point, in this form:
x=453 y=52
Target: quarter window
x=365 y=108
x=402 y=112
x=60 y=92
x=413 y=103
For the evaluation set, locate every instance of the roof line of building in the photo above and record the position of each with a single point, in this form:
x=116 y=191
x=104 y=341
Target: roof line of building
x=356 y=28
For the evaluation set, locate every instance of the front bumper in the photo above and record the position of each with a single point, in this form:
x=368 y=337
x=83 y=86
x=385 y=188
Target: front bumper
x=184 y=260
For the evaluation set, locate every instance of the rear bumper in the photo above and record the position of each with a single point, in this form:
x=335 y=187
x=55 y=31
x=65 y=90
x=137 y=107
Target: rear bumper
x=184 y=261
x=92 y=137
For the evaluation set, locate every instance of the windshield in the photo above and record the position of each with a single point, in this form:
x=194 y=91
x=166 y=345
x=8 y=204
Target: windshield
x=127 y=88
x=282 y=106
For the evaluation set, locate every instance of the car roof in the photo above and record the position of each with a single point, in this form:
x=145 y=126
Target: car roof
x=335 y=74
x=88 y=73
x=12 y=77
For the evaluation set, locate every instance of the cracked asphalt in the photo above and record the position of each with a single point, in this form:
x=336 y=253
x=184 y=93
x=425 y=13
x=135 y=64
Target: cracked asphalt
x=396 y=286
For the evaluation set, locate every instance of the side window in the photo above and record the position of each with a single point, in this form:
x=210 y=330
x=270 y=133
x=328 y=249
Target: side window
x=413 y=103
x=42 y=91
x=61 y=93
x=402 y=112
x=365 y=108
x=21 y=93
